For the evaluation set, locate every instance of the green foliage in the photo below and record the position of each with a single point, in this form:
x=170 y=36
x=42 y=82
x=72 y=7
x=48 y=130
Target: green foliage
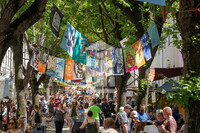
x=144 y=84
x=188 y=93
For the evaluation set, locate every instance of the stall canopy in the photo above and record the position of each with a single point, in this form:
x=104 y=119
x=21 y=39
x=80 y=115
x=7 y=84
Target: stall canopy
x=160 y=73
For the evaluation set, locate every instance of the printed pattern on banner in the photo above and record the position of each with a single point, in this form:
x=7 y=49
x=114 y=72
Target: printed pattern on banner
x=117 y=61
x=51 y=67
x=145 y=47
x=69 y=39
x=94 y=57
x=60 y=66
x=88 y=73
x=129 y=59
x=157 y=2
x=139 y=57
x=2 y=84
x=107 y=61
x=43 y=62
x=7 y=86
x=35 y=59
x=154 y=35
x=55 y=20
x=78 y=70
x=69 y=69
x=81 y=49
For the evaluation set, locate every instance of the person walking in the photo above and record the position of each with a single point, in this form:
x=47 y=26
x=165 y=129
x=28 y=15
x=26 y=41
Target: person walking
x=35 y=118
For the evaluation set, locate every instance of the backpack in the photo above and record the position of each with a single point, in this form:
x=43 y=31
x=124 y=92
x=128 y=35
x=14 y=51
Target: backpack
x=37 y=117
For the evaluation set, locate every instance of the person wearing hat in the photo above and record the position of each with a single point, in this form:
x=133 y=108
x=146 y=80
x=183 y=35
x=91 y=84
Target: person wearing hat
x=123 y=119
x=133 y=116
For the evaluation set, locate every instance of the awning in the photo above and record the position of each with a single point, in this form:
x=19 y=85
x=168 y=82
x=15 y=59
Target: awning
x=160 y=73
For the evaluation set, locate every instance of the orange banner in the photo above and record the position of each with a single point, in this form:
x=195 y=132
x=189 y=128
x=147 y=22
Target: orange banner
x=69 y=69
x=41 y=67
x=139 y=57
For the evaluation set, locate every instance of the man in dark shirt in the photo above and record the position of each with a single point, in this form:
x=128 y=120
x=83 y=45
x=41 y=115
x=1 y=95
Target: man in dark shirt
x=160 y=117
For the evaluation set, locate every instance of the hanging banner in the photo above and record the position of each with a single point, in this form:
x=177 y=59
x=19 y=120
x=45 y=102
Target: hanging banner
x=129 y=59
x=43 y=62
x=81 y=49
x=154 y=35
x=35 y=59
x=145 y=47
x=69 y=39
x=51 y=67
x=69 y=69
x=107 y=61
x=139 y=57
x=60 y=67
x=78 y=70
x=94 y=57
x=117 y=61
x=55 y=20
x=156 y=2
x=2 y=84
x=6 y=86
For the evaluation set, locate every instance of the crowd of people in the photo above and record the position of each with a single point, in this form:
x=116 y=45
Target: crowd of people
x=85 y=112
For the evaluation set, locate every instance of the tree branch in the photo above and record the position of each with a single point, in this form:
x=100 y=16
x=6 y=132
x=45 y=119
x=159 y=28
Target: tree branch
x=41 y=79
x=29 y=17
x=9 y=11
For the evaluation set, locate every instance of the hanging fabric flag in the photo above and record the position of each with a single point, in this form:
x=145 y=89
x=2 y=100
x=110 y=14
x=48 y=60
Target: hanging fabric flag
x=55 y=20
x=2 y=84
x=60 y=66
x=129 y=59
x=117 y=61
x=139 y=57
x=51 y=67
x=153 y=33
x=157 y=2
x=7 y=85
x=35 y=59
x=107 y=61
x=78 y=70
x=88 y=74
x=69 y=69
x=94 y=57
x=145 y=47
x=69 y=39
x=81 y=49
x=43 y=62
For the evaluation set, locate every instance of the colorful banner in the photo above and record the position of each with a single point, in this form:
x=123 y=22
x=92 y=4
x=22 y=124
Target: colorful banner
x=81 y=49
x=145 y=47
x=139 y=57
x=157 y=2
x=60 y=67
x=55 y=20
x=35 y=59
x=117 y=61
x=154 y=35
x=94 y=57
x=43 y=62
x=69 y=39
x=107 y=61
x=78 y=70
x=69 y=69
x=129 y=59
x=51 y=67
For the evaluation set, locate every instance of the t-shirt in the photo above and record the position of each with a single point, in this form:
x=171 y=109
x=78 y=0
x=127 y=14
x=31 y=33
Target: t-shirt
x=171 y=125
x=122 y=117
x=95 y=110
x=55 y=102
x=143 y=117
x=176 y=116
x=44 y=121
x=59 y=115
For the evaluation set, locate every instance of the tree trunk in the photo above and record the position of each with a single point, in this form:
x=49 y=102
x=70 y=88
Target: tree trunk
x=18 y=61
x=34 y=88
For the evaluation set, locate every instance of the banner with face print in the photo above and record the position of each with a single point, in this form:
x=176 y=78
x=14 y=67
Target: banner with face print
x=69 y=39
x=55 y=20
x=69 y=69
x=129 y=59
x=117 y=61
x=139 y=57
x=78 y=70
x=51 y=67
x=81 y=49
x=60 y=67
x=43 y=62
x=35 y=59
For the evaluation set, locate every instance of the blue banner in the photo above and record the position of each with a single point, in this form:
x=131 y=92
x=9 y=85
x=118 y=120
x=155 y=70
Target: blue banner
x=60 y=67
x=157 y=2
x=69 y=39
x=145 y=47
x=81 y=49
x=154 y=35
x=7 y=86
x=117 y=61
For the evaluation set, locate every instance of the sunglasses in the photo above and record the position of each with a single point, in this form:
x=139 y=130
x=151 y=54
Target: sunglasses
x=11 y=123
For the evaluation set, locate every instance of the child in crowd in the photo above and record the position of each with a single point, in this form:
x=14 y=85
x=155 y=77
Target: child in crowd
x=44 y=122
